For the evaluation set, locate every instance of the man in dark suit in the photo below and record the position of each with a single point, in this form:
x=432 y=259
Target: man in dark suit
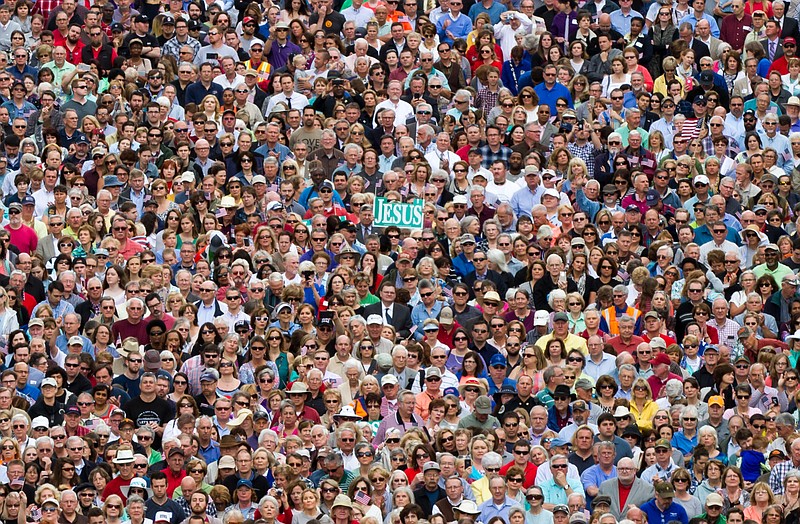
x=396 y=315
x=773 y=44
x=135 y=192
x=365 y=227
x=789 y=26
x=483 y=272
x=208 y=306
x=700 y=49
x=430 y=489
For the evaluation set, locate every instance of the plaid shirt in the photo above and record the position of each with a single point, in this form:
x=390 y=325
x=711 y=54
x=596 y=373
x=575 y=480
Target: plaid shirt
x=733 y=146
x=487 y=100
x=45 y=7
x=194 y=368
x=211 y=510
x=586 y=153
x=779 y=474
x=502 y=154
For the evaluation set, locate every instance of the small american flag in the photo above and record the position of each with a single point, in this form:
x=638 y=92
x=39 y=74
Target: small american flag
x=362 y=498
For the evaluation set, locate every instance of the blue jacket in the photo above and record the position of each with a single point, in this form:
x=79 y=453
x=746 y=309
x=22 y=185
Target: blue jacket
x=512 y=74
x=462 y=266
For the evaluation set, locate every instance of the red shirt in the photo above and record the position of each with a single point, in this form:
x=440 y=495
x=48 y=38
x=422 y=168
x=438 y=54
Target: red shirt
x=656 y=383
x=173 y=480
x=114 y=487
x=624 y=491
x=74 y=54
x=530 y=472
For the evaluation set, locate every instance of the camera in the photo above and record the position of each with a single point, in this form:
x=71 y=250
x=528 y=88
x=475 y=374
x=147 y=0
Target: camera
x=307 y=274
x=511 y=16
x=337 y=82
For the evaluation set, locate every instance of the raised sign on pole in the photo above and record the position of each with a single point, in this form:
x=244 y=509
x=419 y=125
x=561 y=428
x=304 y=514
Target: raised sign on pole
x=402 y=215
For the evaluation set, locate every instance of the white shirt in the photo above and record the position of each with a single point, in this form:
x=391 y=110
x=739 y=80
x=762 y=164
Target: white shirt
x=296 y=101
x=225 y=83
x=435 y=157
x=504 y=191
x=43 y=199
x=206 y=313
x=402 y=111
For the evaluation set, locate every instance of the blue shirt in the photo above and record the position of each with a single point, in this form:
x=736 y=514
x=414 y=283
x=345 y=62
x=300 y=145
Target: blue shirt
x=494 y=11
x=524 y=199
x=692 y=19
x=463 y=266
x=781 y=144
x=489 y=509
x=622 y=22
x=549 y=96
x=196 y=92
x=211 y=453
x=420 y=314
x=594 y=476
x=281 y=150
x=62 y=344
x=655 y=516
x=460 y=27
x=683 y=444
x=555 y=494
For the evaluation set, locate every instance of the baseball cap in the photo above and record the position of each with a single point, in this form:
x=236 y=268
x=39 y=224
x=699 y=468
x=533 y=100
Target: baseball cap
x=483 y=405
x=663 y=443
x=541 y=318
x=498 y=360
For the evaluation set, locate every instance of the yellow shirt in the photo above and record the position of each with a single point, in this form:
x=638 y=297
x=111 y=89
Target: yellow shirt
x=645 y=418
x=572 y=341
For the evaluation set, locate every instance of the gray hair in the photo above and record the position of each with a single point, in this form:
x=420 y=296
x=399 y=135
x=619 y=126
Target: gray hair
x=491 y=460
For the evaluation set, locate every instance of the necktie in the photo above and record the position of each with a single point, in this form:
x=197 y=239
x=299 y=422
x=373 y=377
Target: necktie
x=772 y=50
x=288 y=102
x=388 y=316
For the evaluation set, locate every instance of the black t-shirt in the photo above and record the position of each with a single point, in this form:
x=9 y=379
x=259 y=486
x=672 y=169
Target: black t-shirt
x=333 y=23
x=142 y=413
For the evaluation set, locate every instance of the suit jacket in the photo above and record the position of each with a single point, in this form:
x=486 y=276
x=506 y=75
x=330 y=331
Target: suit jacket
x=700 y=50
x=388 y=46
x=715 y=47
x=428 y=99
x=401 y=319
x=46 y=248
x=778 y=49
x=501 y=281
x=790 y=27
x=640 y=493
x=125 y=195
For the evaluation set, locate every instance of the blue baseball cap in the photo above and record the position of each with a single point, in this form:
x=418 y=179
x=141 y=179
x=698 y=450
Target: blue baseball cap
x=498 y=360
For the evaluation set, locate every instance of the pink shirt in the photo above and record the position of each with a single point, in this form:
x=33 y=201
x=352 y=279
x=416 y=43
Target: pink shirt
x=24 y=238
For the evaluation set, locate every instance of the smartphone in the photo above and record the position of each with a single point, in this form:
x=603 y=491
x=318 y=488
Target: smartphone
x=246 y=241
